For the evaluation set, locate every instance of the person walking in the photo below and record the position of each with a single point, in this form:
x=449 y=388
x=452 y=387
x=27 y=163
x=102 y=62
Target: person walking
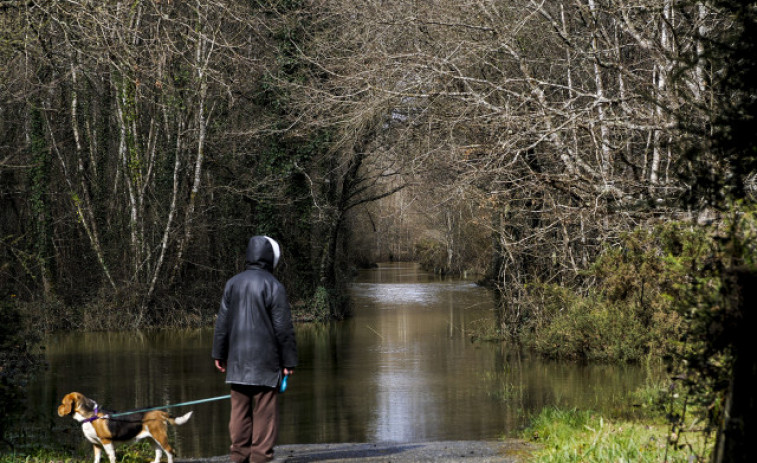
x=254 y=344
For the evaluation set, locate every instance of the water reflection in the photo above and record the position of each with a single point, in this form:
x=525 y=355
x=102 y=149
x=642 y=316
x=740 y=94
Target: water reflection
x=401 y=369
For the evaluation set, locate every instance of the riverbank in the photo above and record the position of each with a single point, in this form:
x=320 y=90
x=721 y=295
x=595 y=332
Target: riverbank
x=505 y=451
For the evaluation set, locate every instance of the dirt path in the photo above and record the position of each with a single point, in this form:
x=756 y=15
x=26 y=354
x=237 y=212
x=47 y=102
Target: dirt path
x=509 y=451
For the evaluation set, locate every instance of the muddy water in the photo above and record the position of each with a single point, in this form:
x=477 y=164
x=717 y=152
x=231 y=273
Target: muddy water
x=402 y=369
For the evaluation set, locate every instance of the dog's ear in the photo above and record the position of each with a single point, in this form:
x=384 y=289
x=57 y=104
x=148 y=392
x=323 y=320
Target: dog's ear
x=67 y=405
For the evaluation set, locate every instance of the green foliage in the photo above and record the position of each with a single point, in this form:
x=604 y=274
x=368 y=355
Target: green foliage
x=318 y=309
x=17 y=362
x=286 y=212
x=633 y=310
x=322 y=306
x=594 y=330
x=716 y=323
x=666 y=293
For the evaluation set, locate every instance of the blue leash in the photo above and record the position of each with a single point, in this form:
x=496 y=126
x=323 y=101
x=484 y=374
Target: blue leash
x=193 y=402
x=282 y=388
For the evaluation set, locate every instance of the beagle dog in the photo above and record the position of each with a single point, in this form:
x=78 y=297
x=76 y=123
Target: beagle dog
x=103 y=431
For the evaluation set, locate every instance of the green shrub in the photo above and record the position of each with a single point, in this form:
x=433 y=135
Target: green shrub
x=633 y=309
x=593 y=329
x=318 y=308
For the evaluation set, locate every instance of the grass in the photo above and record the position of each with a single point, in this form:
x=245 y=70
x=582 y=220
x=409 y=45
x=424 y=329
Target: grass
x=39 y=456
x=584 y=436
x=140 y=452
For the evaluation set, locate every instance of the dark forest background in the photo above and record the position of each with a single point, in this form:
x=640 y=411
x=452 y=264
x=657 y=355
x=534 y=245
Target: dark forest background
x=143 y=142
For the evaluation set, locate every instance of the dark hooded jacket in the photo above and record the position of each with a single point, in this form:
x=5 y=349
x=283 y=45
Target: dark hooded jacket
x=253 y=331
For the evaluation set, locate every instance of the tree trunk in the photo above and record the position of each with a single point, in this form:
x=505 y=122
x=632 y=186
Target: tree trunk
x=739 y=426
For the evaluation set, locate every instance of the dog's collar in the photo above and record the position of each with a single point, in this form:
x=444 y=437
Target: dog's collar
x=94 y=416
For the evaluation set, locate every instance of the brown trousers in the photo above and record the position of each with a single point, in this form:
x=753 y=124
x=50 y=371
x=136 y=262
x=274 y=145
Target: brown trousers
x=254 y=423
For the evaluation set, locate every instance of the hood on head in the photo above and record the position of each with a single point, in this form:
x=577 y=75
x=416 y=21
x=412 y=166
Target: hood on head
x=263 y=252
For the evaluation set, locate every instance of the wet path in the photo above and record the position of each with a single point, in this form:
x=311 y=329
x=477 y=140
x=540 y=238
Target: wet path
x=509 y=451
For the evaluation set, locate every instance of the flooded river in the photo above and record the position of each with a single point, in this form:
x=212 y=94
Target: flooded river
x=402 y=369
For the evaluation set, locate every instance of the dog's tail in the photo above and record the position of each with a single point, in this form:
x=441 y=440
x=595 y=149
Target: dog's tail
x=180 y=420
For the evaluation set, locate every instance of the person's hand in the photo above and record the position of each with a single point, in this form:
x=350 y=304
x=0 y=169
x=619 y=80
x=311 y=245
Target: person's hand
x=288 y=371
x=221 y=365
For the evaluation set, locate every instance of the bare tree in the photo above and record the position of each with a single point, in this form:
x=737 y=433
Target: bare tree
x=562 y=115
x=128 y=93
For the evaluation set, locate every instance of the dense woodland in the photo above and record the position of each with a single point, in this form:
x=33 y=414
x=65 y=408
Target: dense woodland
x=144 y=141
x=547 y=146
